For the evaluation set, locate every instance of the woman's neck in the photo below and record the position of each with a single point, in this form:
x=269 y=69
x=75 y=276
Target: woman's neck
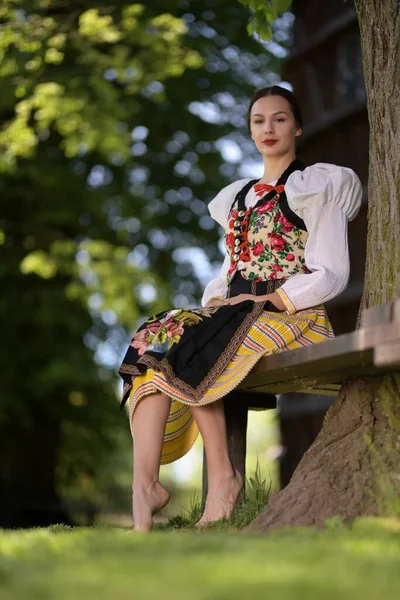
x=274 y=166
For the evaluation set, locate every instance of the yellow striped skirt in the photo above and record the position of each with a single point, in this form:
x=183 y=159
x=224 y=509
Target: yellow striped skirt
x=271 y=333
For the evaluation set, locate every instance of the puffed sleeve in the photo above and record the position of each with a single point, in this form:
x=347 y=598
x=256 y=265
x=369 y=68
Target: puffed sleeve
x=217 y=287
x=220 y=206
x=326 y=197
x=219 y=209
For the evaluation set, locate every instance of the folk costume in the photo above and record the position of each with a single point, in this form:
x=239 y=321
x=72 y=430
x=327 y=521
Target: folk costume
x=288 y=236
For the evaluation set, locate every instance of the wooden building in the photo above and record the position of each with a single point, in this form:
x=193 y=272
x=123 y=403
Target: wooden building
x=325 y=70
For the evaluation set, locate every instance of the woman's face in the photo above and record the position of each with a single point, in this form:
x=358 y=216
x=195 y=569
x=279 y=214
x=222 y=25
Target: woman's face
x=273 y=127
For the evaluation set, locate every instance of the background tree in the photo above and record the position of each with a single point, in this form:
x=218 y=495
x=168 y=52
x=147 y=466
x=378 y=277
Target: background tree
x=114 y=122
x=353 y=466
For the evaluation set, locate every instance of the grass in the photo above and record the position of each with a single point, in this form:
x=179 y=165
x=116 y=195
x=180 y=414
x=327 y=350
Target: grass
x=361 y=562
x=176 y=562
x=257 y=496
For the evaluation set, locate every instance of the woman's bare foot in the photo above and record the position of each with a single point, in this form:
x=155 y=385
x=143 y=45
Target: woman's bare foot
x=147 y=501
x=222 y=496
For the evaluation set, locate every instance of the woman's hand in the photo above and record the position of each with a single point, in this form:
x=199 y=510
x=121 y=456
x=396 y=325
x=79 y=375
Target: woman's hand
x=274 y=298
x=215 y=302
x=242 y=298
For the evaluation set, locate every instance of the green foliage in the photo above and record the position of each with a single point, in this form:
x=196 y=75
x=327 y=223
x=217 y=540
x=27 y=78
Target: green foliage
x=343 y=564
x=264 y=13
x=54 y=61
x=107 y=161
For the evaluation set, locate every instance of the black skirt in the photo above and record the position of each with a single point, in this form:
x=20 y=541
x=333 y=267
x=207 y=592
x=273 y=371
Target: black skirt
x=192 y=347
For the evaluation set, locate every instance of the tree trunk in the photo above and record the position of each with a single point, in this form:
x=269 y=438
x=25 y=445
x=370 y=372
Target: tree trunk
x=348 y=470
x=352 y=468
x=380 y=41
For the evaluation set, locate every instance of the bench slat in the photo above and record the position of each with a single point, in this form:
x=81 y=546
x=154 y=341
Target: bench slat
x=320 y=368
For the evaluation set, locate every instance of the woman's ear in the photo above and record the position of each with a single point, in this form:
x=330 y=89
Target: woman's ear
x=298 y=132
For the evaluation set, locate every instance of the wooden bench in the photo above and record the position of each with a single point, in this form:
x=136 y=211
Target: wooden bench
x=322 y=368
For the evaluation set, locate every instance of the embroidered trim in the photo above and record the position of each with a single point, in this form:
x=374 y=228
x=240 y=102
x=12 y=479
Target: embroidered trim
x=286 y=301
x=197 y=393
x=238 y=246
x=289 y=214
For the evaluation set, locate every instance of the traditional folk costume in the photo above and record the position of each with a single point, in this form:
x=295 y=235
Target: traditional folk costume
x=290 y=237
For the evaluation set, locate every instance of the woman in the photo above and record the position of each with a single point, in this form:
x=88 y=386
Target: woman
x=287 y=254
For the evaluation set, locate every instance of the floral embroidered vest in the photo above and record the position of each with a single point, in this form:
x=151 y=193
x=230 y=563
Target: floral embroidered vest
x=269 y=238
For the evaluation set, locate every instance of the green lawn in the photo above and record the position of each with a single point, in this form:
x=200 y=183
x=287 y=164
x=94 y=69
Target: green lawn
x=361 y=563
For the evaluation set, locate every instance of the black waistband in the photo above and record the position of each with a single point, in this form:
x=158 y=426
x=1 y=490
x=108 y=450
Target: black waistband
x=240 y=285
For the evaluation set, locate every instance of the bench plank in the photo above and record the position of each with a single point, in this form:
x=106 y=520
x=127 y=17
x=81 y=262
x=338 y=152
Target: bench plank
x=387 y=354
x=321 y=368
x=370 y=351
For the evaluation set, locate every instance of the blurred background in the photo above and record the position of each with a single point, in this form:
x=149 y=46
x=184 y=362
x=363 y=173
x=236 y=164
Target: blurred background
x=119 y=123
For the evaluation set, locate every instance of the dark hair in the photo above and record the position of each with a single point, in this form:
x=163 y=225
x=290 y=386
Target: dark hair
x=276 y=90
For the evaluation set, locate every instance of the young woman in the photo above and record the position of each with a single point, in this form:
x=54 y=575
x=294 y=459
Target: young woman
x=287 y=254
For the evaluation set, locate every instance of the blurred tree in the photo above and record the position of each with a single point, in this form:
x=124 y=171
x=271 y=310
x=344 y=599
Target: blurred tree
x=115 y=121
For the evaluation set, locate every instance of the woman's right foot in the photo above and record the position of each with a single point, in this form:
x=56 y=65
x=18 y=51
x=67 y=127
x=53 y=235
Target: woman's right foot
x=221 y=499
x=147 y=501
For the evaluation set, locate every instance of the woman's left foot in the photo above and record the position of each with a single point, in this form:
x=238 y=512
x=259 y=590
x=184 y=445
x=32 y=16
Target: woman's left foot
x=221 y=499
x=147 y=501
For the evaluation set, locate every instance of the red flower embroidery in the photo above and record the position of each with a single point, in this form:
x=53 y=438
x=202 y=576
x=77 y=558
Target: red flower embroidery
x=232 y=268
x=245 y=256
x=142 y=338
x=267 y=206
x=140 y=341
x=230 y=239
x=258 y=249
x=174 y=329
x=287 y=225
x=277 y=241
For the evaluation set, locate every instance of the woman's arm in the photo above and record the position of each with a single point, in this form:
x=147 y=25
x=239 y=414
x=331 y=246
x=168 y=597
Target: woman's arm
x=218 y=287
x=219 y=209
x=326 y=256
x=326 y=197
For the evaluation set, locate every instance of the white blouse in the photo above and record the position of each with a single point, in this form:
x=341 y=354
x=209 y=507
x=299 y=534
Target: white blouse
x=326 y=197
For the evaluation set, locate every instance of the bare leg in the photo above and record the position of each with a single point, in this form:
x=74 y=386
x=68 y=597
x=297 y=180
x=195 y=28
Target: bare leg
x=224 y=484
x=149 y=496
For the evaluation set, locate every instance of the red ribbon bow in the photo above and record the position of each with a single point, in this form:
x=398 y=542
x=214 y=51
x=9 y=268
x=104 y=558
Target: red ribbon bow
x=262 y=188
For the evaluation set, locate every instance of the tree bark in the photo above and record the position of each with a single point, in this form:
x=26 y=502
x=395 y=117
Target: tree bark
x=352 y=468
x=348 y=471
x=380 y=42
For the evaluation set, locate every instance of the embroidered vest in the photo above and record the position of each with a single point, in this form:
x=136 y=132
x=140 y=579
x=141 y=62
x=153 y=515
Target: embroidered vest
x=269 y=238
